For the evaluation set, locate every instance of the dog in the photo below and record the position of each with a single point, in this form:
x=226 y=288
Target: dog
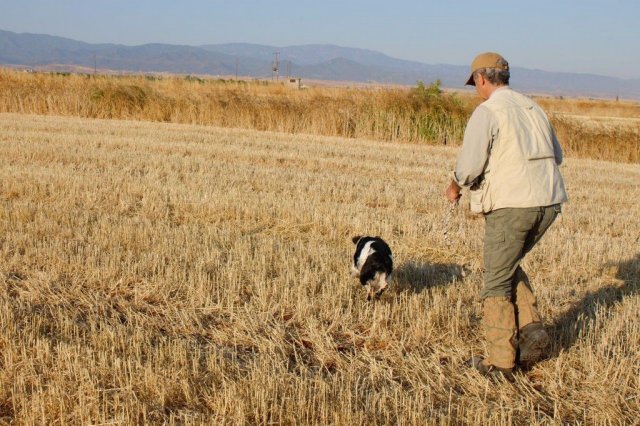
x=373 y=264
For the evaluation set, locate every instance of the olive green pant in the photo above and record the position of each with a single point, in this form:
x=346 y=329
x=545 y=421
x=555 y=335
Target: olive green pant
x=509 y=234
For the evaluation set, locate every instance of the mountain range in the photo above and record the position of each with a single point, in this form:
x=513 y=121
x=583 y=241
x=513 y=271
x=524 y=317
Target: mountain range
x=312 y=61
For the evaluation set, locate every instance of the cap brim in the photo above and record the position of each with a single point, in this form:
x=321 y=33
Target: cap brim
x=470 y=82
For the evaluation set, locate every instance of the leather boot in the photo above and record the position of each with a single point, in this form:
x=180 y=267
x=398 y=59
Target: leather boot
x=490 y=371
x=533 y=344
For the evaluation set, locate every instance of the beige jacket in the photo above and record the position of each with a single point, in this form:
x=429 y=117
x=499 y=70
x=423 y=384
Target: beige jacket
x=523 y=157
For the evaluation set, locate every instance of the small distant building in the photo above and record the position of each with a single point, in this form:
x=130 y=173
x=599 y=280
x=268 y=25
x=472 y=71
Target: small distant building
x=294 y=82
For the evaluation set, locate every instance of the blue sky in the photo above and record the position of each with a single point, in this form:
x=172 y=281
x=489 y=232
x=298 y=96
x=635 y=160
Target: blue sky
x=597 y=37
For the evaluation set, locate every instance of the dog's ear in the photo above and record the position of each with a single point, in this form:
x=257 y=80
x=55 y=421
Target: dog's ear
x=356 y=239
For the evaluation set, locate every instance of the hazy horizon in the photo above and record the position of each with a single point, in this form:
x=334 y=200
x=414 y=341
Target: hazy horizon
x=550 y=36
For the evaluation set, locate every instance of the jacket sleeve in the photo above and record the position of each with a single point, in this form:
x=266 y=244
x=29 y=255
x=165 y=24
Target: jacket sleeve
x=480 y=132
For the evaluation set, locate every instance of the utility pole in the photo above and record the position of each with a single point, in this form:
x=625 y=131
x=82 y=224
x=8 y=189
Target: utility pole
x=289 y=69
x=275 y=66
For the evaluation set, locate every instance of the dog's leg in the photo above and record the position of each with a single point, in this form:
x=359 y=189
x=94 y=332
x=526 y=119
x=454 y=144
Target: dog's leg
x=370 y=292
x=355 y=273
x=382 y=281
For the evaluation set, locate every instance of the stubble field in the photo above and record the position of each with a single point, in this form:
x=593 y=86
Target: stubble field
x=182 y=274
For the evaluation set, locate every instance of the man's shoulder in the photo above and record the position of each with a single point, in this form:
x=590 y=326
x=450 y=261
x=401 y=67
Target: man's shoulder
x=507 y=98
x=481 y=115
x=484 y=109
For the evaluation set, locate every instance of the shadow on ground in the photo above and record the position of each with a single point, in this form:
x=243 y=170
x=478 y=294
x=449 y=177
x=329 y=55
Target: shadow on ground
x=418 y=276
x=567 y=329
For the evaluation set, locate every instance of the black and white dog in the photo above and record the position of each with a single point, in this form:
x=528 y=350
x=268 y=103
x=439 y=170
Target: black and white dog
x=373 y=263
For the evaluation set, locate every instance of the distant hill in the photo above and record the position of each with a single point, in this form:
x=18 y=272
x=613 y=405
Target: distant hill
x=315 y=61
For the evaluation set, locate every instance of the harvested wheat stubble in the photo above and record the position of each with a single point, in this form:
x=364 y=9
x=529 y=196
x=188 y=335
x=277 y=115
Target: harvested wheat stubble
x=165 y=273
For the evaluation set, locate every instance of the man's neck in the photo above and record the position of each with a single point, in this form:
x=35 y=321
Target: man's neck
x=494 y=89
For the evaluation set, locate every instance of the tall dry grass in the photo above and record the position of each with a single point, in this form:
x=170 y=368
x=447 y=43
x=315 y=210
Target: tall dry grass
x=421 y=114
x=599 y=139
x=590 y=107
x=159 y=273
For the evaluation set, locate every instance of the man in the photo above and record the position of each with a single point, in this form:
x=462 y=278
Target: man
x=509 y=159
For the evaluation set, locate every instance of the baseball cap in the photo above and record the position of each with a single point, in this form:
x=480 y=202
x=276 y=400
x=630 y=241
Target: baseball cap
x=487 y=60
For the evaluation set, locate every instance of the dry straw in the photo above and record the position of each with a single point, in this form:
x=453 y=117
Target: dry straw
x=159 y=273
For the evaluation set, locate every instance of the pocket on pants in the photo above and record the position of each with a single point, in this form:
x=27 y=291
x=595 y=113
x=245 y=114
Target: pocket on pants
x=494 y=239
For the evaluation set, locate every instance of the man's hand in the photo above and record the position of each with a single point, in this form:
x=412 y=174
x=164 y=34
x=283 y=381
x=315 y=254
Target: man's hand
x=453 y=192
